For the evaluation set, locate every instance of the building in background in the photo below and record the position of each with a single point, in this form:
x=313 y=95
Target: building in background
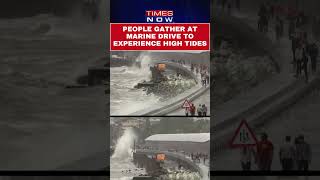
x=189 y=143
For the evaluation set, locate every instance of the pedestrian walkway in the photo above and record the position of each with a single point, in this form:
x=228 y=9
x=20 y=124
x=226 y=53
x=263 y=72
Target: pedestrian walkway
x=266 y=89
x=202 y=99
x=283 y=56
x=277 y=83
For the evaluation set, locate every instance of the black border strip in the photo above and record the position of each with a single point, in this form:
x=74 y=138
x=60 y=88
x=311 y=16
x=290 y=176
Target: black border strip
x=162 y=116
x=55 y=173
x=264 y=173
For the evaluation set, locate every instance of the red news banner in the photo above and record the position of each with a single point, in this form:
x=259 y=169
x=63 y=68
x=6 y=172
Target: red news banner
x=169 y=36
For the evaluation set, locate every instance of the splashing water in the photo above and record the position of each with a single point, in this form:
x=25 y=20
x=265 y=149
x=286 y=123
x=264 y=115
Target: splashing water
x=124 y=146
x=145 y=61
x=121 y=166
x=124 y=98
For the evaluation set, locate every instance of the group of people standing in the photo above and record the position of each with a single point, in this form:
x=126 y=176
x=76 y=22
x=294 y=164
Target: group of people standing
x=292 y=156
x=296 y=155
x=199 y=68
x=204 y=73
x=181 y=62
x=302 y=49
x=205 y=79
x=269 y=11
x=198 y=156
x=201 y=110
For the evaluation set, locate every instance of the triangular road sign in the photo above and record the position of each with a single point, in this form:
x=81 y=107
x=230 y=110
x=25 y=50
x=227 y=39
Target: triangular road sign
x=186 y=104
x=243 y=136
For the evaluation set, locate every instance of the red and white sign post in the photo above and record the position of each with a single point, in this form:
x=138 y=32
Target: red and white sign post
x=244 y=136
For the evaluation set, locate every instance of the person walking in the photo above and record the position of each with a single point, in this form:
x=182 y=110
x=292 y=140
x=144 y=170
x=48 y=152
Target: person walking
x=265 y=22
x=270 y=10
x=303 y=154
x=313 y=52
x=291 y=28
x=286 y=154
x=207 y=78
x=299 y=59
x=192 y=110
x=281 y=27
x=305 y=60
x=246 y=156
x=278 y=28
x=204 y=81
x=264 y=153
x=204 y=110
x=186 y=111
x=262 y=18
x=199 y=110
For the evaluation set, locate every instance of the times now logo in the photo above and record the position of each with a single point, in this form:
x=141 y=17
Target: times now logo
x=159 y=16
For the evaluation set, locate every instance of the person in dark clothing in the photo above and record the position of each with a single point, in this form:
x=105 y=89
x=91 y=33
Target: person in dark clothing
x=313 y=53
x=204 y=110
x=299 y=55
x=207 y=78
x=303 y=154
x=281 y=27
x=186 y=112
x=246 y=156
x=294 y=45
x=301 y=19
x=262 y=22
x=271 y=10
x=305 y=62
x=265 y=21
x=278 y=28
x=304 y=38
x=291 y=28
x=199 y=110
x=298 y=21
x=263 y=18
x=286 y=154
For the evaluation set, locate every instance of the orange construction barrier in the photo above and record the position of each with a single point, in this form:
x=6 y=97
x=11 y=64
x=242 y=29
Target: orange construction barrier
x=161 y=67
x=161 y=157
